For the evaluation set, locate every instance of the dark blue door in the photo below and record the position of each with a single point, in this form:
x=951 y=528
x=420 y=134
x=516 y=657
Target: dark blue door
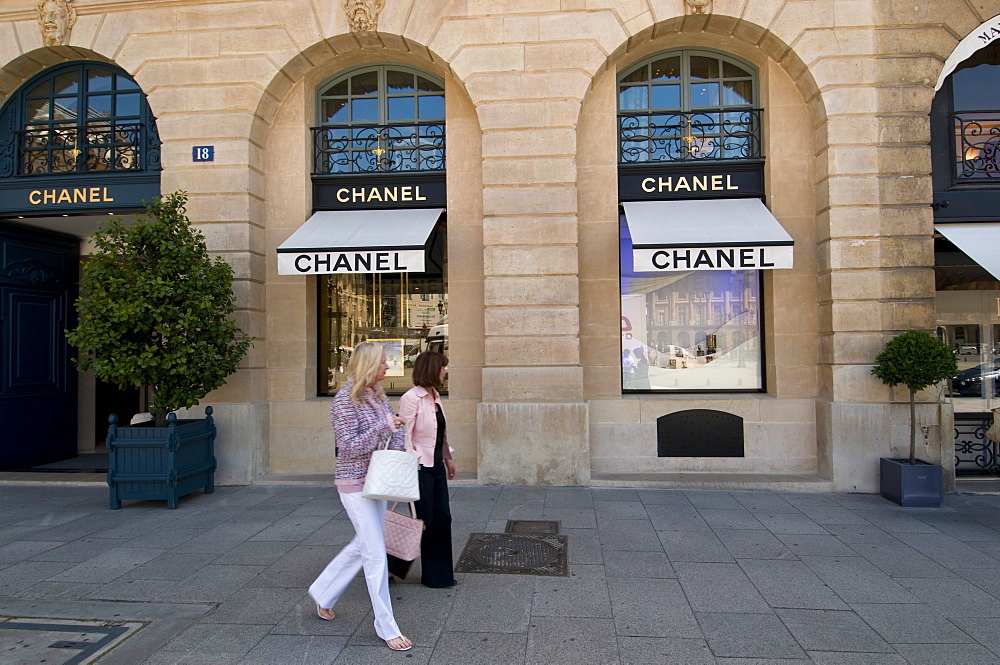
x=38 y=409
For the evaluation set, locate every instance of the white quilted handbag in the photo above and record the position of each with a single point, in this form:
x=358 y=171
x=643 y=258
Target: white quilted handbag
x=392 y=475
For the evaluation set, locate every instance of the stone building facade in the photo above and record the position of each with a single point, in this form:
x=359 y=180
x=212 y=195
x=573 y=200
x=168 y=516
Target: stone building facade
x=534 y=106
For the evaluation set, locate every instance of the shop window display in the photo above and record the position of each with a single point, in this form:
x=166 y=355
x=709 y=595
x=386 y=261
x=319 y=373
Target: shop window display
x=690 y=331
x=406 y=312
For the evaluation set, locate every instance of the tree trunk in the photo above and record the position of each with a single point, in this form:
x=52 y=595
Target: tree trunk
x=913 y=429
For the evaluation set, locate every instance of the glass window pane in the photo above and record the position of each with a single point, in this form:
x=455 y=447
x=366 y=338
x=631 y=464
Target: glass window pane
x=43 y=89
x=99 y=106
x=398 y=82
x=127 y=105
x=99 y=80
x=668 y=69
x=634 y=98
x=704 y=94
x=640 y=75
x=976 y=82
x=704 y=68
x=977 y=88
x=65 y=108
x=67 y=83
x=431 y=107
x=364 y=84
x=341 y=88
x=364 y=110
x=737 y=92
x=426 y=85
x=125 y=83
x=37 y=109
x=730 y=70
x=335 y=111
x=666 y=97
x=401 y=108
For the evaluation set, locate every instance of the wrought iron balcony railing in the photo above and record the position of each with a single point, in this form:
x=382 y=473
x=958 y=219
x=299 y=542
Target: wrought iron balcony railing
x=977 y=146
x=345 y=149
x=675 y=136
x=96 y=146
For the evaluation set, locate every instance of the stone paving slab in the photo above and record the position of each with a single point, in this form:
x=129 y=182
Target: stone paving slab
x=655 y=576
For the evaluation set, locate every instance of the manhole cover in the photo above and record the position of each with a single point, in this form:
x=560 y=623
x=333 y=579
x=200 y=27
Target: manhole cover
x=531 y=526
x=522 y=554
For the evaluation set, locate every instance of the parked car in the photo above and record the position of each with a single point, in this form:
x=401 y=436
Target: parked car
x=968 y=350
x=969 y=382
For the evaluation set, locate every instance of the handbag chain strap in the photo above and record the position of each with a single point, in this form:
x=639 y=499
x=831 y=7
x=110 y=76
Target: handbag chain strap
x=413 y=509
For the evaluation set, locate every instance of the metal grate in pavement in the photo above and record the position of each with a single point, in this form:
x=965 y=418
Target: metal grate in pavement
x=515 y=553
x=531 y=526
x=60 y=641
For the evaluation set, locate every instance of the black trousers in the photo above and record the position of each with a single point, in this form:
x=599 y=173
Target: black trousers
x=435 y=545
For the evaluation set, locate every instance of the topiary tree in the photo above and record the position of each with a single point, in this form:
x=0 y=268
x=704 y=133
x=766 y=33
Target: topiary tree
x=154 y=309
x=916 y=359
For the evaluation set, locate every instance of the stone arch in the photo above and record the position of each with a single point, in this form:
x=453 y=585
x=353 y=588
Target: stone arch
x=597 y=164
x=281 y=151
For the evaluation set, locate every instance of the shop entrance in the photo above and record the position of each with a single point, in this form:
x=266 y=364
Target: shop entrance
x=38 y=385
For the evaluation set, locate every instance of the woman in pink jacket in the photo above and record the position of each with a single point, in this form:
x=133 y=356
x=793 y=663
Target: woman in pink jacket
x=423 y=421
x=362 y=421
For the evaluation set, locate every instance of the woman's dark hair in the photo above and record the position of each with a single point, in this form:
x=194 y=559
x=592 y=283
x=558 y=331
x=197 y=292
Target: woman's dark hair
x=427 y=369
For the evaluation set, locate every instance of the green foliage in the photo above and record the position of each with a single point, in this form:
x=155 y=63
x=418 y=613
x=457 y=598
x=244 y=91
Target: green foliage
x=915 y=359
x=154 y=309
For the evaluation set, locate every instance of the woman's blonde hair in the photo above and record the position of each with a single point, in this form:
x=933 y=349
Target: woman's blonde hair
x=362 y=367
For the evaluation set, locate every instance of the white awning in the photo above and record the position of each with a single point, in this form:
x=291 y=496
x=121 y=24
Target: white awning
x=982 y=36
x=359 y=241
x=981 y=242
x=707 y=234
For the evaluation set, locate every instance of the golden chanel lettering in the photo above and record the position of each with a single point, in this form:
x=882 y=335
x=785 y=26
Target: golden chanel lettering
x=74 y=195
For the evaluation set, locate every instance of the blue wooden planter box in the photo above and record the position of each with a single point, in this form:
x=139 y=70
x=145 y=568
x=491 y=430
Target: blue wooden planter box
x=161 y=463
x=916 y=485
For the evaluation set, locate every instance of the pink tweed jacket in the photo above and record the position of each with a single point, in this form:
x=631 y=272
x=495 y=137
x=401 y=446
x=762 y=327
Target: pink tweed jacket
x=359 y=430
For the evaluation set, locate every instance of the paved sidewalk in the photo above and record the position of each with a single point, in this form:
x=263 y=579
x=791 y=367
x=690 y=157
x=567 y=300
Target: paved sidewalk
x=656 y=577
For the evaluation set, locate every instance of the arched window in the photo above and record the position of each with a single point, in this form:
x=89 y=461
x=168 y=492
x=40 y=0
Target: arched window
x=383 y=118
x=81 y=117
x=688 y=105
x=382 y=126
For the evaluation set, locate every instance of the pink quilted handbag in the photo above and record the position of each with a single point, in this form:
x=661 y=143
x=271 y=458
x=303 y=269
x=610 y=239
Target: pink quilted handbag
x=402 y=533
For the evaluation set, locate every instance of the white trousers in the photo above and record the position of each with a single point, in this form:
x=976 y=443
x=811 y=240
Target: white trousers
x=366 y=550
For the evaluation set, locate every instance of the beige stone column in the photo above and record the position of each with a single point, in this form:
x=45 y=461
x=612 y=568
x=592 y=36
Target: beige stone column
x=224 y=196
x=532 y=421
x=876 y=252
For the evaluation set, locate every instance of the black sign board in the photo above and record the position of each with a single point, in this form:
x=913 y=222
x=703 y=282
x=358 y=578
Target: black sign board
x=707 y=180
x=379 y=191
x=46 y=196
